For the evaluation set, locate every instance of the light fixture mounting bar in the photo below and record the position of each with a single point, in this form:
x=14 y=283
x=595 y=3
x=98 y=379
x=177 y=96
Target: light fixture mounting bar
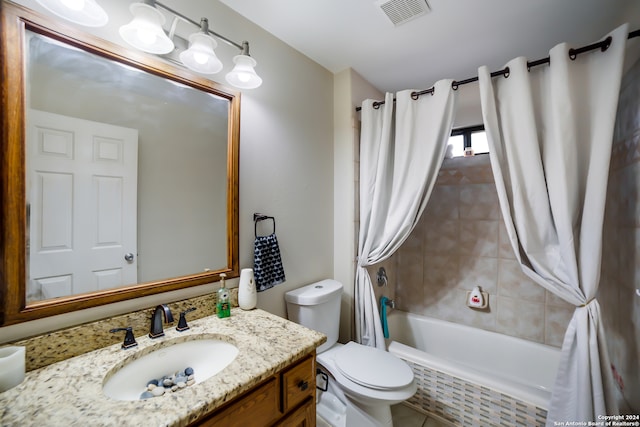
x=197 y=24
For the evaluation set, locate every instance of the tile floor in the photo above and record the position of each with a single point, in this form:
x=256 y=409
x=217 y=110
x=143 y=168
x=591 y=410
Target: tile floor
x=403 y=416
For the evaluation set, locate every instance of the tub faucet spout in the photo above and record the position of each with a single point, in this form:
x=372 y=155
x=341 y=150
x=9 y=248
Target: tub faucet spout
x=157 y=330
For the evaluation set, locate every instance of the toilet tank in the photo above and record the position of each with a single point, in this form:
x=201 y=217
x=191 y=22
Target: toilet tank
x=317 y=306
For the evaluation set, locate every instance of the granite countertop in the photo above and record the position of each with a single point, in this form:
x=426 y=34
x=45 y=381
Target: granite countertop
x=69 y=393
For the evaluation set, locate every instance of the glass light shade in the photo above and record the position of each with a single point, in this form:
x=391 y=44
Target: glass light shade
x=82 y=12
x=243 y=76
x=145 y=31
x=200 y=56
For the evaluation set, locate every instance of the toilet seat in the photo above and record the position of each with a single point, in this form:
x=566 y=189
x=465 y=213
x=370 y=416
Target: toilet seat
x=364 y=394
x=372 y=367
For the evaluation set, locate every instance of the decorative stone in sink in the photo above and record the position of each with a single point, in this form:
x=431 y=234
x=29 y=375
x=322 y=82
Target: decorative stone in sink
x=205 y=355
x=169 y=383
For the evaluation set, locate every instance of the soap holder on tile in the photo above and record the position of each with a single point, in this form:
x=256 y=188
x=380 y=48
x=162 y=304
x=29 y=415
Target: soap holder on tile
x=482 y=305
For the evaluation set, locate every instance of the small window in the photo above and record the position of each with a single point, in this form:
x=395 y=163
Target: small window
x=456 y=145
x=470 y=139
x=479 y=142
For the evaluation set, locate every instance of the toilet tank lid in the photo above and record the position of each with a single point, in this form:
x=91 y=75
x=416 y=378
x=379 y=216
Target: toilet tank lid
x=314 y=293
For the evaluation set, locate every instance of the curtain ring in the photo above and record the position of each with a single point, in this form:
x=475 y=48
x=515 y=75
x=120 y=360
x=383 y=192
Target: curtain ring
x=415 y=95
x=606 y=44
x=376 y=105
x=506 y=72
x=454 y=85
x=572 y=54
x=433 y=90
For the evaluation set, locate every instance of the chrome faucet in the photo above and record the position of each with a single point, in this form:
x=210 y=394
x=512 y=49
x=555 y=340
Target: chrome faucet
x=156 y=320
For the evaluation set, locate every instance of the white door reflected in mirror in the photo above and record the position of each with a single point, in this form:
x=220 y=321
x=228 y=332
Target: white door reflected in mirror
x=82 y=193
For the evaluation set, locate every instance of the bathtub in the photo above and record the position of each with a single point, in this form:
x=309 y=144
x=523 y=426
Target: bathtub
x=473 y=377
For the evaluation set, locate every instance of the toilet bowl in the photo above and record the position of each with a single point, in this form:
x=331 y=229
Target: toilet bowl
x=372 y=379
x=330 y=411
x=366 y=379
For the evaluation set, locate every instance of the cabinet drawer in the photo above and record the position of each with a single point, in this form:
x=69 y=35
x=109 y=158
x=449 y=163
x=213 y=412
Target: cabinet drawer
x=298 y=383
x=256 y=408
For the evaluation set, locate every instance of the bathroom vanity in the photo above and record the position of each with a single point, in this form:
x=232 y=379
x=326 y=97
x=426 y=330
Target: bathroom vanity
x=270 y=382
x=285 y=399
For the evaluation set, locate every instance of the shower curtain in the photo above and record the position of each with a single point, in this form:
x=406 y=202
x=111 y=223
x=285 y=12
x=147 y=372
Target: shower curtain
x=400 y=157
x=550 y=135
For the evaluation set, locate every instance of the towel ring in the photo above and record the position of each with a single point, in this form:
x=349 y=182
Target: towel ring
x=260 y=217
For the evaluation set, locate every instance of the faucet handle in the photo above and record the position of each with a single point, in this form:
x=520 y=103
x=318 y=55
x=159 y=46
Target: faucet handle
x=182 y=322
x=129 y=339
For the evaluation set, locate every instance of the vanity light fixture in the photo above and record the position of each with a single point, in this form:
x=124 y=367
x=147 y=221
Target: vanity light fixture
x=200 y=56
x=145 y=31
x=82 y=12
x=243 y=75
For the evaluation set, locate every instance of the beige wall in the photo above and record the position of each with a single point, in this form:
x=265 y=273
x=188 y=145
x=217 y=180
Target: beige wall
x=286 y=161
x=460 y=242
x=350 y=89
x=620 y=277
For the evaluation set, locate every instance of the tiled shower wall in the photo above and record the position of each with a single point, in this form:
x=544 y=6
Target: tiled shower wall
x=460 y=242
x=621 y=239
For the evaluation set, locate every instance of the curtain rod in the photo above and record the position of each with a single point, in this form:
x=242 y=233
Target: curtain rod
x=573 y=53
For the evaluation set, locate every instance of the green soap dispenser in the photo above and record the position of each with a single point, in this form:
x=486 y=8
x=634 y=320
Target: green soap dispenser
x=223 y=306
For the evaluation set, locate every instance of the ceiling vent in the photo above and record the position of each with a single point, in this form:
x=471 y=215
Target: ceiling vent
x=401 y=11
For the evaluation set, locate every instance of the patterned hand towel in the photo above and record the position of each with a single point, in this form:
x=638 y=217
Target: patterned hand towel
x=267 y=264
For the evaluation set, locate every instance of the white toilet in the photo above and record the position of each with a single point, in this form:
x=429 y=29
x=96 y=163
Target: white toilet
x=366 y=379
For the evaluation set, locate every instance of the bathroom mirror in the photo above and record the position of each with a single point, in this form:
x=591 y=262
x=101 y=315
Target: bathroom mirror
x=119 y=172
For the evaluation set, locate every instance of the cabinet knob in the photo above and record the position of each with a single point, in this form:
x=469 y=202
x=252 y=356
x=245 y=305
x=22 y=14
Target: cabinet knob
x=303 y=385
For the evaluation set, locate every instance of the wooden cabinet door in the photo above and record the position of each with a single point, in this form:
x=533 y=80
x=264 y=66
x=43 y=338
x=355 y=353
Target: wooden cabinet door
x=305 y=416
x=257 y=408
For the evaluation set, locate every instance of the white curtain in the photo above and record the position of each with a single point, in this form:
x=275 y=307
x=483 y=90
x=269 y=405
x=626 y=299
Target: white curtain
x=400 y=157
x=550 y=136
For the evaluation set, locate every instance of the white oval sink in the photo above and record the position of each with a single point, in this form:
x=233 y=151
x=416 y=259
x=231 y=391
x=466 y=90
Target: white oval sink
x=206 y=356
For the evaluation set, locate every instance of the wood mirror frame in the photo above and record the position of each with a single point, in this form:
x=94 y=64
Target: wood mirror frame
x=13 y=219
